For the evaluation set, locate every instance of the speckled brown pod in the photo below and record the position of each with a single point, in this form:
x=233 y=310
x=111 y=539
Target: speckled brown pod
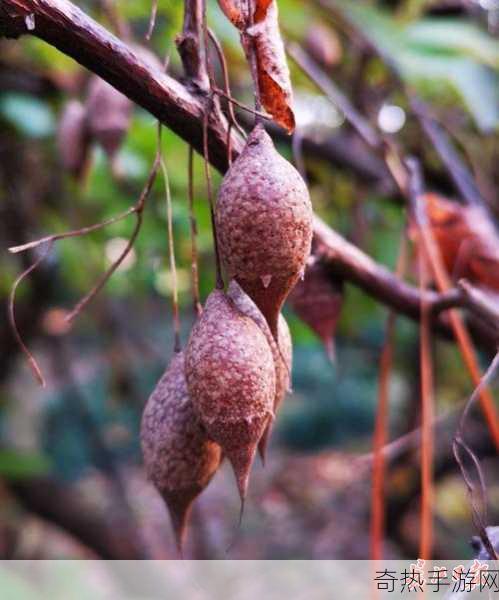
x=264 y=224
x=108 y=113
x=179 y=458
x=281 y=352
x=318 y=300
x=73 y=139
x=231 y=380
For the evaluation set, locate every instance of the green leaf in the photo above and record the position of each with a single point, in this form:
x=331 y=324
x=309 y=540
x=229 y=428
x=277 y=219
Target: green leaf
x=20 y=465
x=30 y=116
x=454 y=35
x=436 y=54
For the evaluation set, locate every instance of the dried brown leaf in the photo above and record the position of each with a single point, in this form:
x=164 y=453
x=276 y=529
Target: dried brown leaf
x=274 y=84
x=234 y=11
x=261 y=8
x=467 y=240
x=262 y=36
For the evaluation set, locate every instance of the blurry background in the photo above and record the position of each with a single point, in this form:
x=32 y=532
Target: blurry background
x=71 y=482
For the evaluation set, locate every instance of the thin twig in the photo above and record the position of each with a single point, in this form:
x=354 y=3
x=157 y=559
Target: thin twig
x=231 y=99
x=73 y=233
x=427 y=414
x=152 y=20
x=139 y=207
x=12 y=316
x=219 y=283
x=479 y=514
x=460 y=174
x=381 y=424
x=225 y=73
x=334 y=94
x=194 y=232
x=171 y=255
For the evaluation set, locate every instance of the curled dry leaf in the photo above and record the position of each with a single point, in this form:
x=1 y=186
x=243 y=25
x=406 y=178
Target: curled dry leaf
x=282 y=352
x=231 y=380
x=179 y=458
x=261 y=35
x=318 y=300
x=467 y=239
x=73 y=140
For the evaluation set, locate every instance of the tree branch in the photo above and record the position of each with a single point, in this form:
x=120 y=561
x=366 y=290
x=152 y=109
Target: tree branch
x=64 y=26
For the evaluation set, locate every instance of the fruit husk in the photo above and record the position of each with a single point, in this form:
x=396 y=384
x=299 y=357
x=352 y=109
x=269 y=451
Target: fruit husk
x=73 y=139
x=264 y=224
x=231 y=380
x=281 y=351
x=179 y=457
x=109 y=113
x=318 y=300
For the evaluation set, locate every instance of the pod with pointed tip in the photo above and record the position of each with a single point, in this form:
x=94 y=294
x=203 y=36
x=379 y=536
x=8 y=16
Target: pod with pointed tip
x=318 y=300
x=179 y=458
x=231 y=380
x=264 y=224
x=281 y=351
x=108 y=113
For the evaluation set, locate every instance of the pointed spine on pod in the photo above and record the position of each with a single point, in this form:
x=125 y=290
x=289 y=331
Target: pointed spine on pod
x=264 y=224
x=231 y=380
x=179 y=458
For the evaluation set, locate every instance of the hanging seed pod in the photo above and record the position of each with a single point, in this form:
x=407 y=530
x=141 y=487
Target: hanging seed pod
x=231 y=380
x=73 y=140
x=323 y=44
x=109 y=113
x=264 y=224
x=283 y=379
x=282 y=353
x=317 y=300
x=179 y=458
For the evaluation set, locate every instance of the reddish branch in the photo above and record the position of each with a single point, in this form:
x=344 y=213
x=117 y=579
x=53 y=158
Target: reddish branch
x=64 y=26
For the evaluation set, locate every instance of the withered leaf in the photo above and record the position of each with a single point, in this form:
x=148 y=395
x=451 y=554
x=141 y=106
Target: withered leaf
x=261 y=8
x=263 y=37
x=234 y=11
x=467 y=239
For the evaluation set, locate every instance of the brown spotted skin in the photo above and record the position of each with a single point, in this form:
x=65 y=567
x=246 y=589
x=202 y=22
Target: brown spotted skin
x=282 y=353
x=264 y=224
x=231 y=380
x=179 y=458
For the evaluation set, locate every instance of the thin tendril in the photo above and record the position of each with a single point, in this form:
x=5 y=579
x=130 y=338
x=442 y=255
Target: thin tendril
x=12 y=317
x=219 y=283
x=194 y=232
x=171 y=254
